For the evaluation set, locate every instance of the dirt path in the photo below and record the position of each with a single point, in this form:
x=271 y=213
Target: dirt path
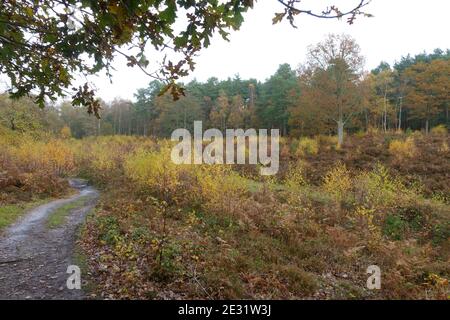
x=34 y=258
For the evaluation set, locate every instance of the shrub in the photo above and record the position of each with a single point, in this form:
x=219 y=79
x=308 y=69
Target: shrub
x=439 y=130
x=35 y=165
x=307 y=146
x=220 y=188
x=66 y=133
x=377 y=188
x=296 y=176
x=441 y=233
x=394 y=227
x=328 y=142
x=367 y=216
x=401 y=150
x=154 y=172
x=338 y=181
x=444 y=148
x=102 y=158
x=299 y=281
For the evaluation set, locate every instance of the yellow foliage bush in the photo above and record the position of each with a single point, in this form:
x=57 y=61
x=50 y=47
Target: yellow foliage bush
x=338 y=181
x=403 y=149
x=378 y=189
x=100 y=158
x=439 y=130
x=66 y=133
x=154 y=171
x=296 y=176
x=327 y=142
x=220 y=189
x=307 y=146
x=53 y=157
x=367 y=217
x=444 y=148
x=35 y=165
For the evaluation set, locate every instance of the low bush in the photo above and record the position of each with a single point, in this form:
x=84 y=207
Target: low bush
x=402 y=150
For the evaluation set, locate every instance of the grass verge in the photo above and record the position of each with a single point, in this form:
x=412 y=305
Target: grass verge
x=58 y=217
x=12 y=212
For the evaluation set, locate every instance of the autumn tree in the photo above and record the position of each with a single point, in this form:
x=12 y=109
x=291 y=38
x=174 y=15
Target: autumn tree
x=330 y=80
x=237 y=112
x=23 y=116
x=382 y=82
x=428 y=89
x=308 y=116
x=221 y=111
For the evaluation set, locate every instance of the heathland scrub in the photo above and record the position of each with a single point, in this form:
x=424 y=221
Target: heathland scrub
x=213 y=153
x=34 y=258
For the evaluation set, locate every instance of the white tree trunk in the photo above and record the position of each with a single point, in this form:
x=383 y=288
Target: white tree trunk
x=340 y=132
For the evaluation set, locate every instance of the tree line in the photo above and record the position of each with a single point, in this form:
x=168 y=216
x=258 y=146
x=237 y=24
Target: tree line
x=328 y=94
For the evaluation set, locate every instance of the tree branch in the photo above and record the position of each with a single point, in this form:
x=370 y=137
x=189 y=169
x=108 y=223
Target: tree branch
x=327 y=14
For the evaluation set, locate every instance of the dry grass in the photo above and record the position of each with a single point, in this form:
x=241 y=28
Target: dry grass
x=163 y=231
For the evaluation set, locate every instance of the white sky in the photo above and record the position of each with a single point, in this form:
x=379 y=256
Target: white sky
x=258 y=48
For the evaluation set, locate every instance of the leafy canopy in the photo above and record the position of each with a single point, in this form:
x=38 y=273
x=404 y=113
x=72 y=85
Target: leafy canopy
x=44 y=44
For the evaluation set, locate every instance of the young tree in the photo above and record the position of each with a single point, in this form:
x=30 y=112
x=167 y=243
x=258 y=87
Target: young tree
x=65 y=132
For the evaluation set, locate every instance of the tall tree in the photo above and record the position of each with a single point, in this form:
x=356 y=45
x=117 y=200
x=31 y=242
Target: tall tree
x=382 y=82
x=221 y=112
x=237 y=112
x=428 y=89
x=333 y=73
x=277 y=97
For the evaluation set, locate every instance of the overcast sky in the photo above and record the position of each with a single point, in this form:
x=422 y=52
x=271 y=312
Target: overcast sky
x=258 y=48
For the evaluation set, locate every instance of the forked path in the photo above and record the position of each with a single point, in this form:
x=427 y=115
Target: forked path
x=34 y=258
